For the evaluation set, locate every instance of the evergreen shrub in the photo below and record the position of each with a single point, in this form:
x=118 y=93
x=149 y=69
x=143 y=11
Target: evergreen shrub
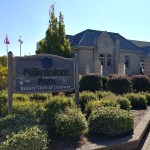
x=138 y=101
x=86 y=96
x=90 y=82
x=124 y=103
x=54 y=106
x=111 y=121
x=140 y=83
x=119 y=84
x=31 y=138
x=71 y=123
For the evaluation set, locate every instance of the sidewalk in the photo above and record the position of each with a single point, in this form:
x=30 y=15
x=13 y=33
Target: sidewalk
x=146 y=145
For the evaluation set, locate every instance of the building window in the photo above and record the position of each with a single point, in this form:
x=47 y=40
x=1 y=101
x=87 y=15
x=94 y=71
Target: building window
x=108 y=60
x=102 y=59
x=127 y=61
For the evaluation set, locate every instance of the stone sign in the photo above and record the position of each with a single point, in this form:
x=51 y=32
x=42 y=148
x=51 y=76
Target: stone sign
x=43 y=73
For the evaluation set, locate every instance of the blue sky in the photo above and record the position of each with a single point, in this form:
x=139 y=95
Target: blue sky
x=29 y=18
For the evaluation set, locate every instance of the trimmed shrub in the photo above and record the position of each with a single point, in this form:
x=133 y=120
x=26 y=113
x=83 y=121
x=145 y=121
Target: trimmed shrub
x=3 y=102
x=95 y=104
x=91 y=83
x=71 y=123
x=86 y=96
x=124 y=103
x=30 y=108
x=111 y=121
x=103 y=94
x=119 y=84
x=30 y=138
x=40 y=97
x=20 y=97
x=140 y=83
x=54 y=106
x=138 y=101
x=14 y=123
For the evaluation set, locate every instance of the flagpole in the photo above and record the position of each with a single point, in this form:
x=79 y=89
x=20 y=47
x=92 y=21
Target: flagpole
x=20 y=41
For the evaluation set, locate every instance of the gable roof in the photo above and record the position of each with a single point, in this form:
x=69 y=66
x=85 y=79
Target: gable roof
x=88 y=37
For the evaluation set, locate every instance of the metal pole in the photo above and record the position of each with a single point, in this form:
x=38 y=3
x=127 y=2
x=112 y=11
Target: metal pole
x=10 y=81
x=76 y=79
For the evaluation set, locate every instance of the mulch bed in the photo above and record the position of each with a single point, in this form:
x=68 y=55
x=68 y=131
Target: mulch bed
x=58 y=143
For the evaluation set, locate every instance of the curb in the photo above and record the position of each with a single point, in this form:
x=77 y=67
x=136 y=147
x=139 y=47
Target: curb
x=127 y=143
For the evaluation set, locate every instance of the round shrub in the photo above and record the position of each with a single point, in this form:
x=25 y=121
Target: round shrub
x=138 y=101
x=140 y=83
x=111 y=121
x=86 y=96
x=71 y=123
x=95 y=104
x=103 y=94
x=54 y=106
x=14 y=123
x=124 y=103
x=30 y=138
x=90 y=83
x=119 y=84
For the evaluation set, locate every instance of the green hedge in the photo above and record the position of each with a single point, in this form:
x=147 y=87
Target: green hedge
x=71 y=123
x=111 y=121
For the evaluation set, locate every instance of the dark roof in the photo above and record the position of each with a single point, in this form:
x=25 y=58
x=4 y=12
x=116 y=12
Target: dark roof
x=145 y=50
x=87 y=38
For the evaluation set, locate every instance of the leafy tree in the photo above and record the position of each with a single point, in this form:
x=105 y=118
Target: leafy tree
x=3 y=60
x=55 y=41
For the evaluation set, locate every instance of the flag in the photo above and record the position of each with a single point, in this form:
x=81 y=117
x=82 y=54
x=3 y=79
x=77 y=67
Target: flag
x=6 y=41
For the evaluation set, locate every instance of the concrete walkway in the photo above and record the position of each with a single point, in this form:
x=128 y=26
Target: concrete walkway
x=146 y=145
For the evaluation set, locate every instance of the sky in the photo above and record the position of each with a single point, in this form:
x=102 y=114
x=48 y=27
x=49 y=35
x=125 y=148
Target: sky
x=29 y=19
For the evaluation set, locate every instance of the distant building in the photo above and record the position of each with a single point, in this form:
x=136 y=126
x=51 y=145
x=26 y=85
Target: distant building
x=105 y=53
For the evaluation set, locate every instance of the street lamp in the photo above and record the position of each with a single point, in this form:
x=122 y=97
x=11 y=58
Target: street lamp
x=20 y=41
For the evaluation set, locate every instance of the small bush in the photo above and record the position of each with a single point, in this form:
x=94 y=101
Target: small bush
x=30 y=108
x=54 y=106
x=110 y=121
x=3 y=77
x=40 y=97
x=95 y=104
x=71 y=123
x=103 y=94
x=138 y=101
x=124 y=103
x=84 y=97
x=30 y=138
x=13 y=123
x=119 y=84
x=20 y=97
x=140 y=83
x=90 y=83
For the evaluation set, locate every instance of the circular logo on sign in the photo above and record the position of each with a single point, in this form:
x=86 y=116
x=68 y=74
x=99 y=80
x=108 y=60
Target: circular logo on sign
x=47 y=63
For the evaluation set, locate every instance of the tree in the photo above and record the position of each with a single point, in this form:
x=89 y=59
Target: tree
x=3 y=60
x=55 y=41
